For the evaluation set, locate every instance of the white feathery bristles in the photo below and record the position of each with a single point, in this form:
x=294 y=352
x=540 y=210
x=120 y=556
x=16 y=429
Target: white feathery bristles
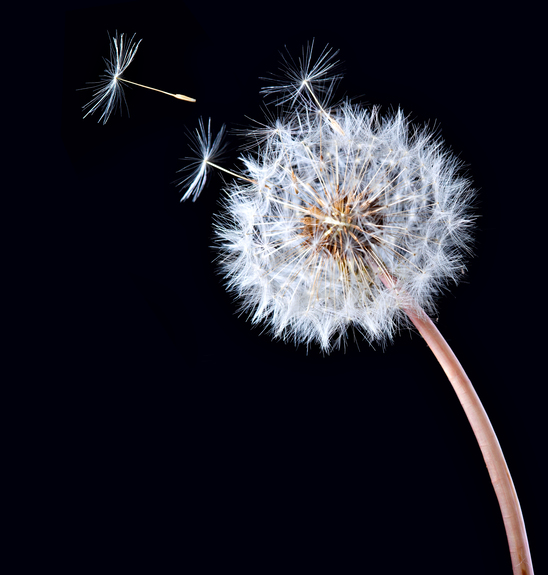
x=109 y=92
x=207 y=149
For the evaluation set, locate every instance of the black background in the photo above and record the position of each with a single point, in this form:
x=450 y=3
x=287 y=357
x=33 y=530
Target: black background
x=195 y=443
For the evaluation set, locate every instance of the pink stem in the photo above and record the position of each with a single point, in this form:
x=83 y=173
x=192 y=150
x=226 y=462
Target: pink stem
x=488 y=442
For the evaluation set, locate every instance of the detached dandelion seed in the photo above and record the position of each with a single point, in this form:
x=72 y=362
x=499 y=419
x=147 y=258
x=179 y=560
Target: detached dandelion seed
x=344 y=218
x=206 y=149
x=109 y=91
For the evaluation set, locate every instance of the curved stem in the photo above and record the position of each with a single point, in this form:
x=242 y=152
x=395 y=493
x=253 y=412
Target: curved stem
x=487 y=439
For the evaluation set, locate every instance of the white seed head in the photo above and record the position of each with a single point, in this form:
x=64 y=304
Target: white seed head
x=341 y=219
x=109 y=92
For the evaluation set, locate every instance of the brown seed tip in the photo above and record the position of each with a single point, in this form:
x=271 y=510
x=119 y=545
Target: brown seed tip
x=185 y=98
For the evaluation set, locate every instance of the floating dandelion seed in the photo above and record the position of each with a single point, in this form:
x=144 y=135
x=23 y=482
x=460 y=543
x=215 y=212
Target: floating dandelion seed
x=109 y=92
x=207 y=149
x=343 y=218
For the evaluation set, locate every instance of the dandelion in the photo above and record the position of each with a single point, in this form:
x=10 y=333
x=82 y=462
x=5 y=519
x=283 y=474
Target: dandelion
x=109 y=91
x=343 y=218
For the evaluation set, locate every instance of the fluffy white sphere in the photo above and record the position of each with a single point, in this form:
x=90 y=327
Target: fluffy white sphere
x=343 y=226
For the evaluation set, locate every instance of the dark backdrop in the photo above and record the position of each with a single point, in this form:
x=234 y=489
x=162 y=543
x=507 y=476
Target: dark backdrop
x=197 y=444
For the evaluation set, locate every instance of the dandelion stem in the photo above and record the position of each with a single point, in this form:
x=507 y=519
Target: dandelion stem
x=487 y=439
x=178 y=96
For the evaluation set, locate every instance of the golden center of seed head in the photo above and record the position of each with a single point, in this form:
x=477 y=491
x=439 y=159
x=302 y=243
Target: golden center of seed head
x=340 y=229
